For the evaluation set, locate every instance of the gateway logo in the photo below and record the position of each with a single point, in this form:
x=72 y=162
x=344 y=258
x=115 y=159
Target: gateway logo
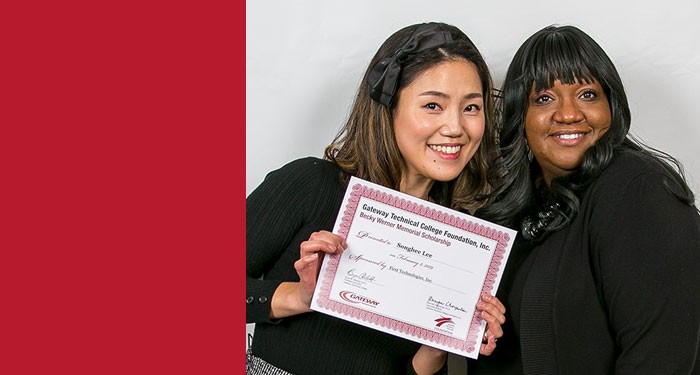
x=444 y=324
x=356 y=298
x=440 y=321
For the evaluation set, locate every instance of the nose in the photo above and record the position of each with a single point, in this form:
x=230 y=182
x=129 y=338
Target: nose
x=568 y=112
x=452 y=127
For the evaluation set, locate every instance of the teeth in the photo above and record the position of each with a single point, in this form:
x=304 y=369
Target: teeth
x=446 y=149
x=570 y=136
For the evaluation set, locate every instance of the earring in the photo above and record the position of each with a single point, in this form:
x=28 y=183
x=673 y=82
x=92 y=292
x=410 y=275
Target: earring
x=529 y=152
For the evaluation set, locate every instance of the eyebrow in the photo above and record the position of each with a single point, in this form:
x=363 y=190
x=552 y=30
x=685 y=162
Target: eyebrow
x=443 y=95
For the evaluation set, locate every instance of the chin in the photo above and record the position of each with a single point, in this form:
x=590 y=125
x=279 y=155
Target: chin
x=445 y=177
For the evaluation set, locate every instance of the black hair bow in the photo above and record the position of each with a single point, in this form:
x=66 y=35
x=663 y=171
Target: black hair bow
x=384 y=77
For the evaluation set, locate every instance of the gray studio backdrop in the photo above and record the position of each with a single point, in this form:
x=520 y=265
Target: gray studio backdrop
x=304 y=60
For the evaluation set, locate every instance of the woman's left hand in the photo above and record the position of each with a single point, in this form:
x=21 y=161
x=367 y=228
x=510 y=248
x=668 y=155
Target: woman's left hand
x=493 y=312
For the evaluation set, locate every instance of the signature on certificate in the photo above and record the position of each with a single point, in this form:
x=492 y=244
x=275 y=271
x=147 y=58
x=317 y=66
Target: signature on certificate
x=444 y=304
x=360 y=276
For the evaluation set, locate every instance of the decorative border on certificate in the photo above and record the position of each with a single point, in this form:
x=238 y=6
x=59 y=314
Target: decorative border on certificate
x=326 y=279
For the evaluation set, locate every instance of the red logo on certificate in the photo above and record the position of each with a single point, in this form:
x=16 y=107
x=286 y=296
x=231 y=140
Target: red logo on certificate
x=441 y=321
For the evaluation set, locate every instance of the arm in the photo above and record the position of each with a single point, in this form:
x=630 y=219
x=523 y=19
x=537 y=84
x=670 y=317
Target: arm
x=290 y=204
x=267 y=207
x=646 y=246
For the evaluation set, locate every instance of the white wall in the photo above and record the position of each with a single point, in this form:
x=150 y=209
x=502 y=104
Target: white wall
x=305 y=58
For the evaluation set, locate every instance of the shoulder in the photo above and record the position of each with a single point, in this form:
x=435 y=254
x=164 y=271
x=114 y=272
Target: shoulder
x=309 y=162
x=634 y=162
x=636 y=184
x=307 y=168
x=631 y=168
x=308 y=182
x=310 y=175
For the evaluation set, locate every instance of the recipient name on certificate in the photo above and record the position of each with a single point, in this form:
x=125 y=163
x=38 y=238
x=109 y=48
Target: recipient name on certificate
x=412 y=268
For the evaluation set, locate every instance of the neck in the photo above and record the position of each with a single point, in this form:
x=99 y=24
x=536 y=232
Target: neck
x=419 y=190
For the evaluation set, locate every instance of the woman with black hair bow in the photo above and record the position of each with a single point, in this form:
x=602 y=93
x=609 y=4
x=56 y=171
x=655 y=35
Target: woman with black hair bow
x=422 y=123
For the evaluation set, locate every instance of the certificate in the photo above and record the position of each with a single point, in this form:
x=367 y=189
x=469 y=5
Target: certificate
x=412 y=268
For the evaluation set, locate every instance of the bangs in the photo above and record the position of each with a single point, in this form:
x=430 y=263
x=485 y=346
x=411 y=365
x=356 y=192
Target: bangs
x=559 y=57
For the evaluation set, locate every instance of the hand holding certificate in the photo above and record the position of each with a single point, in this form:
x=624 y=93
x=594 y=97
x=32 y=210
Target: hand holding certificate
x=412 y=268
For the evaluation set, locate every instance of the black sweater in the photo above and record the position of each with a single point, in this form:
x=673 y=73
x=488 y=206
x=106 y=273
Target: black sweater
x=617 y=291
x=294 y=201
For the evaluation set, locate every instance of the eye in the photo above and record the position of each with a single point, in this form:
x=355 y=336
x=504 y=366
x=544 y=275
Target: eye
x=542 y=99
x=472 y=108
x=432 y=106
x=589 y=94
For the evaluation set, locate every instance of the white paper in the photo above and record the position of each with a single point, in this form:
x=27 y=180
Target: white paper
x=412 y=268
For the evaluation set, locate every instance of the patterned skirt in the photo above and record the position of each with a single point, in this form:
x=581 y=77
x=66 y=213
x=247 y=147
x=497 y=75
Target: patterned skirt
x=258 y=366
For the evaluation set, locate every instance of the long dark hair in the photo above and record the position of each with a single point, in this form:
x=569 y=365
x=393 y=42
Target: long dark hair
x=567 y=54
x=366 y=146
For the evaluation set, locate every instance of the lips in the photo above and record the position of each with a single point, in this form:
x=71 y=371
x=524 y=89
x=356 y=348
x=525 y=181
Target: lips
x=450 y=150
x=569 y=138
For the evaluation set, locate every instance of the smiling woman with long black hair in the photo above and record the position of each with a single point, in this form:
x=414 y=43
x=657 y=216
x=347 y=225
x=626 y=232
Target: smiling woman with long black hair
x=605 y=276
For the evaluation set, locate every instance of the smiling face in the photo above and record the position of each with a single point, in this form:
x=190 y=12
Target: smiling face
x=562 y=122
x=438 y=124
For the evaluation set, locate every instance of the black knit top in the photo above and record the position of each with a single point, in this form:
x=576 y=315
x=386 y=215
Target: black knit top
x=617 y=291
x=294 y=201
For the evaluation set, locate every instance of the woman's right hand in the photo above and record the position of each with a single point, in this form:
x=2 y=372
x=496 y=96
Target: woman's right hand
x=311 y=257
x=294 y=298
